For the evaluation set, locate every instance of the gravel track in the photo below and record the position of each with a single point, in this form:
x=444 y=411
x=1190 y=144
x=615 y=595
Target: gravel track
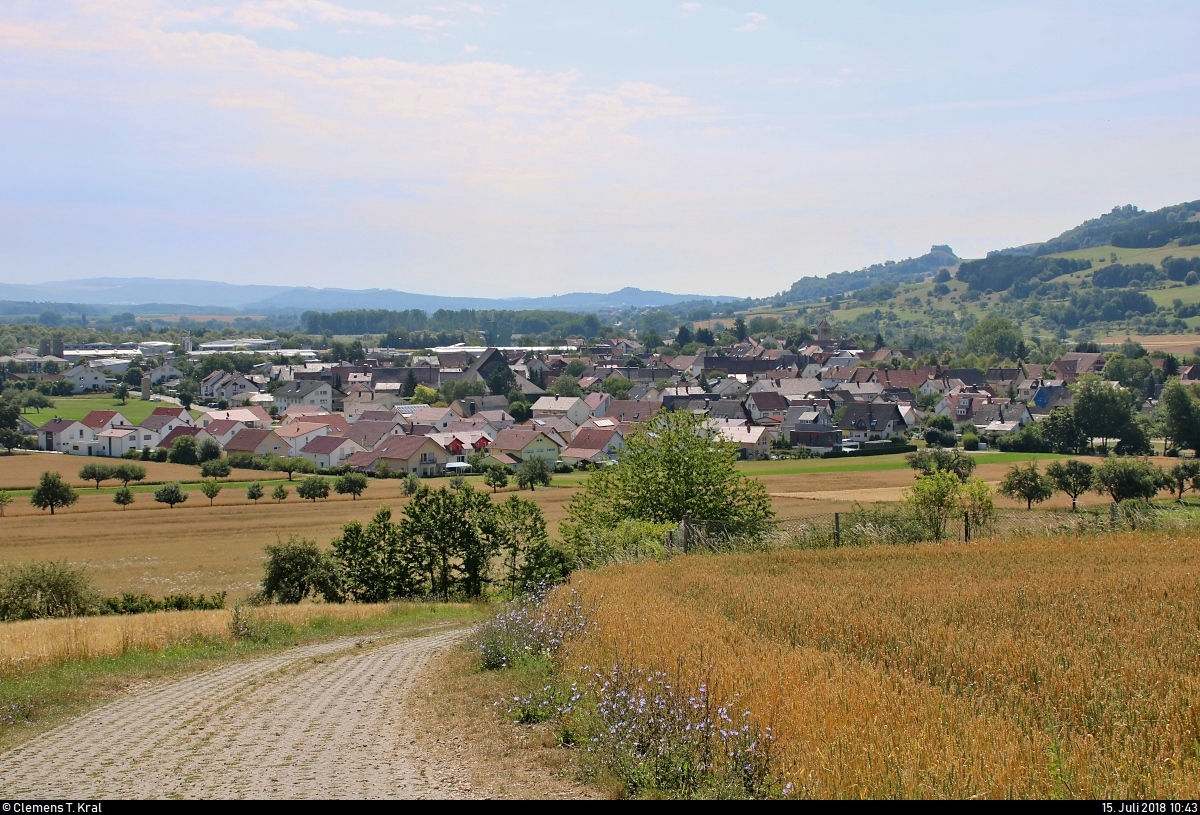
x=319 y=721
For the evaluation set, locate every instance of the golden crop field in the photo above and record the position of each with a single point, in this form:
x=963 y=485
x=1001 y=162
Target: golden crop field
x=1029 y=668
x=21 y=471
x=32 y=643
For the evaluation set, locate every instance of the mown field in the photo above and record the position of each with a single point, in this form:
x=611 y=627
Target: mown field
x=1045 y=667
x=21 y=471
x=196 y=547
x=76 y=407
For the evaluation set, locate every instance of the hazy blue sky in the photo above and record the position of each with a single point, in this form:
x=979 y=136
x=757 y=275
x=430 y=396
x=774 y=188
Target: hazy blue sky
x=541 y=147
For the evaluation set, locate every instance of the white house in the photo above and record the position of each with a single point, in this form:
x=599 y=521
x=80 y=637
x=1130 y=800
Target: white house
x=330 y=451
x=571 y=407
x=116 y=441
x=304 y=392
x=164 y=373
x=60 y=435
x=86 y=379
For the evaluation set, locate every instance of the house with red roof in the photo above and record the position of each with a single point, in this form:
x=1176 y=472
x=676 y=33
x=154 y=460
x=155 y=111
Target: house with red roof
x=330 y=451
x=418 y=455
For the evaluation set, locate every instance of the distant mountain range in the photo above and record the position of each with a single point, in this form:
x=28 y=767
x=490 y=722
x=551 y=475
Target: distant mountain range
x=133 y=291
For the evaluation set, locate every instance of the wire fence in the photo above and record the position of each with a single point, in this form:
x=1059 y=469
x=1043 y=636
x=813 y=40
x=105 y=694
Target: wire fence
x=897 y=524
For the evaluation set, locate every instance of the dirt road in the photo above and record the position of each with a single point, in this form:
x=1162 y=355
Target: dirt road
x=323 y=721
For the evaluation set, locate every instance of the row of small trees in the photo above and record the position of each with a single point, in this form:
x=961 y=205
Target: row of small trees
x=1122 y=479
x=444 y=547
x=53 y=493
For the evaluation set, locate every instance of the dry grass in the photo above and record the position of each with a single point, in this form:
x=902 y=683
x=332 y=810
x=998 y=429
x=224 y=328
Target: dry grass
x=34 y=643
x=1050 y=667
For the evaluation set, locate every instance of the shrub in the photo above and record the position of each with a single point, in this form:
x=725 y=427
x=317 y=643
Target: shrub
x=933 y=498
x=5 y=500
x=458 y=481
x=184 y=450
x=160 y=454
x=38 y=590
x=595 y=546
x=280 y=493
x=215 y=468
x=296 y=569
x=970 y=440
x=247 y=461
x=209 y=450
x=411 y=484
x=129 y=603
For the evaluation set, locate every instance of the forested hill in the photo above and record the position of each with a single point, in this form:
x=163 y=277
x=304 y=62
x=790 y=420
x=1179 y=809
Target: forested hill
x=1125 y=226
x=904 y=271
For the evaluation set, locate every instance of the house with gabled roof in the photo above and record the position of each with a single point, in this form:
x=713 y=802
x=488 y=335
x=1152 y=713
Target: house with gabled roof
x=598 y=403
x=85 y=379
x=864 y=422
x=371 y=434
x=299 y=434
x=99 y=420
x=224 y=429
x=633 y=412
x=180 y=413
x=64 y=436
x=329 y=451
x=766 y=405
x=752 y=442
x=521 y=443
x=419 y=455
x=594 y=445
x=258 y=442
x=572 y=407
x=305 y=392
x=252 y=417
x=155 y=426
x=197 y=433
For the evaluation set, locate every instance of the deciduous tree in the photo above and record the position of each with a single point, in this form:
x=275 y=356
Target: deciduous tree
x=170 y=494
x=1072 y=476
x=95 y=471
x=52 y=493
x=1026 y=484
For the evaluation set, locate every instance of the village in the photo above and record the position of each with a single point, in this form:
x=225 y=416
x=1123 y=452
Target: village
x=571 y=406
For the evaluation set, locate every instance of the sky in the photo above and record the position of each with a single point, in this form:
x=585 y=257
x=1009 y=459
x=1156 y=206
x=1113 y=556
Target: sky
x=535 y=148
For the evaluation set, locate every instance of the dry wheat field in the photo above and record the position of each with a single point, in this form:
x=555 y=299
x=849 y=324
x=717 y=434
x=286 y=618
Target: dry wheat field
x=1036 y=668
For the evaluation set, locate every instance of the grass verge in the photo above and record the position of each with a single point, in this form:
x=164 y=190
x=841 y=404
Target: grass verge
x=52 y=670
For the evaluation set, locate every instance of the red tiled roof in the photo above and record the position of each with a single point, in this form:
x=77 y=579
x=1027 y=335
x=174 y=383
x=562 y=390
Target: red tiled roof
x=98 y=418
x=184 y=430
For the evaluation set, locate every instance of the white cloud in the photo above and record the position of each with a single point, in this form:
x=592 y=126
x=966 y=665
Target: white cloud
x=286 y=14
x=688 y=9
x=754 y=22
x=469 y=49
